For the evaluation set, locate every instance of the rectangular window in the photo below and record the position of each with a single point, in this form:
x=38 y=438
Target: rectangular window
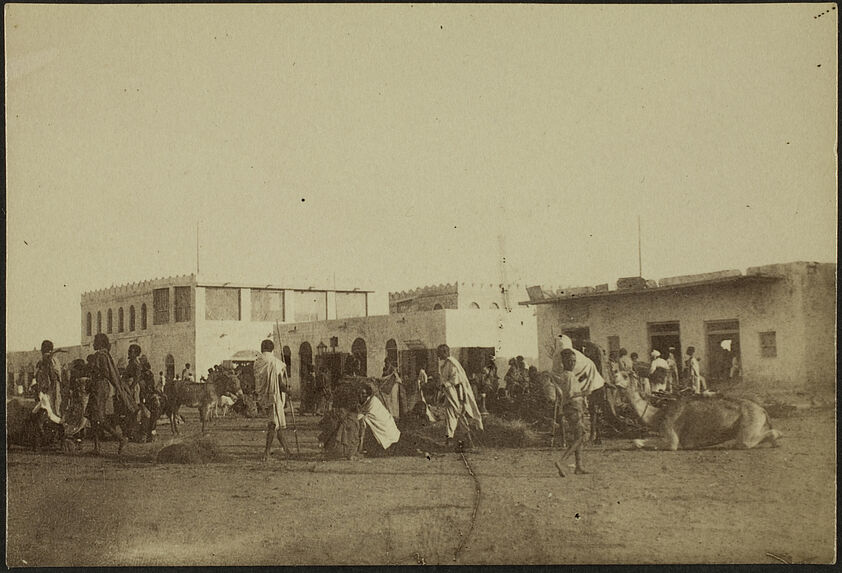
x=613 y=344
x=267 y=305
x=161 y=305
x=768 y=344
x=182 y=304
x=350 y=304
x=309 y=305
x=222 y=303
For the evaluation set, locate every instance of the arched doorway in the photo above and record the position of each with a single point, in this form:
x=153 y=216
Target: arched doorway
x=305 y=361
x=392 y=352
x=169 y=363
x=358 y=349
x=287 y=358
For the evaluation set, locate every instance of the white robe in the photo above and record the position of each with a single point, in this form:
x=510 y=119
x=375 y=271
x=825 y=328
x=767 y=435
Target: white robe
x=269 y=372
x=452 y=375
x=381 y=423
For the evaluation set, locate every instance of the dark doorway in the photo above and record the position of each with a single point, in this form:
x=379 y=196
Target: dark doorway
x=360 y=352
x=392 y=353
x=662 y=336
x=723 y=349
x=473 y=359
x=287 y=358
x=577 y=335
x=334 y=362
x=305 y=363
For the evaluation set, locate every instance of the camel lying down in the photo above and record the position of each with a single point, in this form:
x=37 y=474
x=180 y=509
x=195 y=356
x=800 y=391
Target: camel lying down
x=698 y=422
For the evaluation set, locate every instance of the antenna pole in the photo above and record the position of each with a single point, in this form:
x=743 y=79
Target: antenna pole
x=639 y=255
x=197 y=247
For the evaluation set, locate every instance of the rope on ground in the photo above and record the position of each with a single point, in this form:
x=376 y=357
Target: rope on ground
x=476 y=507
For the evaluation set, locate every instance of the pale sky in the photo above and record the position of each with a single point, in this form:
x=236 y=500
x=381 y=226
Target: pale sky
x=395 y=145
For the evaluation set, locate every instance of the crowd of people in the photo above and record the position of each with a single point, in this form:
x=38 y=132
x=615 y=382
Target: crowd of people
x=127 y=402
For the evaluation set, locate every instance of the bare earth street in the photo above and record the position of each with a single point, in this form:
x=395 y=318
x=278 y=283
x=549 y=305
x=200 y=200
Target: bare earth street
x=756 y=506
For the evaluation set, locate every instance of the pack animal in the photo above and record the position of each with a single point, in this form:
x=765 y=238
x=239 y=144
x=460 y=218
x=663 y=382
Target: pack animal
x=204 y=396
x=27 y=428
x=702 y=421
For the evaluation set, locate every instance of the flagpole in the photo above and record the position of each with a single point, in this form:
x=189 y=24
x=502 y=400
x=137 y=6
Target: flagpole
x=197 y=247
x=639 y=255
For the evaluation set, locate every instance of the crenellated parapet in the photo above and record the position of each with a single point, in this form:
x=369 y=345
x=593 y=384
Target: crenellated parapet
x=452 y=288
x=429 y=290
x=135 y=288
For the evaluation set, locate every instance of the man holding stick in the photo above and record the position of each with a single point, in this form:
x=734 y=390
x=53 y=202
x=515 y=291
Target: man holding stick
x=269 y=373
x=570 y=394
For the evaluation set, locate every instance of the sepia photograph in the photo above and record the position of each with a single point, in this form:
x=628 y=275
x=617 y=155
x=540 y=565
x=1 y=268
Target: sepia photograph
x=420 y=284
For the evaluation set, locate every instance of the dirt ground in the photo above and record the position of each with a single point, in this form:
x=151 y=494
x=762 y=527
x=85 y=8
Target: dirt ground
x=717 y=505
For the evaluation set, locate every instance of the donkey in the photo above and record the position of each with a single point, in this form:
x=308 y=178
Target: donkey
x=204 y=396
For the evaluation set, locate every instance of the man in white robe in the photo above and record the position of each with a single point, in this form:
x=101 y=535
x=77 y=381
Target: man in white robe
x=584 y=370
x=460 y=402
x=269 y=376
x=379 y=420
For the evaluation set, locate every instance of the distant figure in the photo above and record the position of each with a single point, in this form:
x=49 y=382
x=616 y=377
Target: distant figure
x=48 y=381
x=624 y=362
x=735 y=367
x=658 y=372
x=162 y=382
x=187 y=374
x=694 y=376
x=269 y=381
x=673 y=378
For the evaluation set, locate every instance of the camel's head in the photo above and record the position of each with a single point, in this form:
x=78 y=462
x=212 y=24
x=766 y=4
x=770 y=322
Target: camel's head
x=623 y=380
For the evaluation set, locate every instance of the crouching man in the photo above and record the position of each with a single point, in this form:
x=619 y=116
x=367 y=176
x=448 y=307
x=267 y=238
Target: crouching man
x=269 y=378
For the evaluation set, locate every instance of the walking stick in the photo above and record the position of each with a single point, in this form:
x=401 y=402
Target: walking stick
x=555 y=423
x=294 y=427
x=291 y=407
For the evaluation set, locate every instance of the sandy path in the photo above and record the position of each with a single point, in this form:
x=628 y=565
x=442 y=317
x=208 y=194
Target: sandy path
x=637 y=506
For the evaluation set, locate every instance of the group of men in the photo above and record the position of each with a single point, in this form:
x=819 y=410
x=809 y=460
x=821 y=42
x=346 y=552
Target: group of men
x=662 y=373
x=96 y=394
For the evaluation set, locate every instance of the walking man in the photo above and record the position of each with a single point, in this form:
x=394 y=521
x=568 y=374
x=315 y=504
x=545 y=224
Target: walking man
x=570 y=392
x=270 y=386
x=460 y=402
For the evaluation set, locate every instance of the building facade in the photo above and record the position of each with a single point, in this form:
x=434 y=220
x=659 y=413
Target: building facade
x=775 y=323
x=184 y=320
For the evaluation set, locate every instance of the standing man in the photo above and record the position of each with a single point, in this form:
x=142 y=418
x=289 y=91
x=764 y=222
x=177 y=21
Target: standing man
x=694 y=375
x=48 y=380
x=571 y=392
x=460 y=401
x=111 y=404
x=658 y=372
x=672 y=379
x=270 y=386
x=624 y=362
x=187 y=373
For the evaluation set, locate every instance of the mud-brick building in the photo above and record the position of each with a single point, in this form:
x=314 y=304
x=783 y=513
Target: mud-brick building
x=410 y=340
x=775 y=323
x=185 y=319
